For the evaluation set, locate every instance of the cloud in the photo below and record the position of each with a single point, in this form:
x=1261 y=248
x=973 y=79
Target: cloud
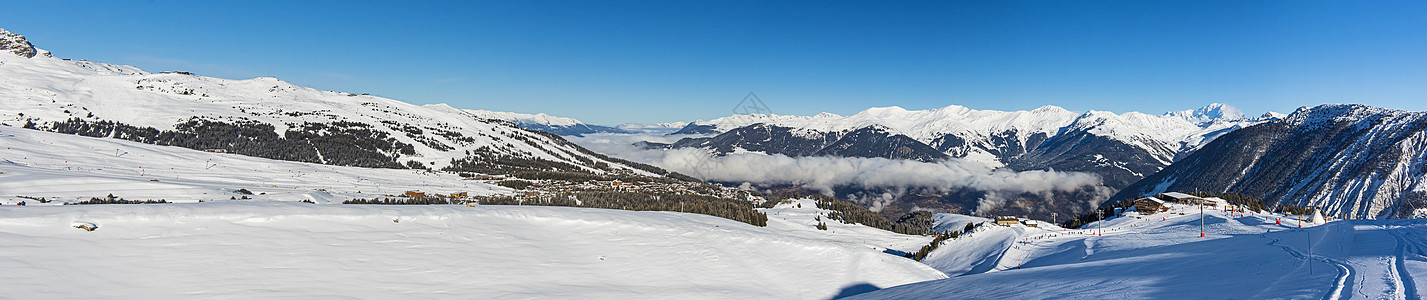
x=826 y=173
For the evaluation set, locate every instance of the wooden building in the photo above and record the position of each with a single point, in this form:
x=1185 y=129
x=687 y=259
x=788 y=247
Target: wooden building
x=1150 y=206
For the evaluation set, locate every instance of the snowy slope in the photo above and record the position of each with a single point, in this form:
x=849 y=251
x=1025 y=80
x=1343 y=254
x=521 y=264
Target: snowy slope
x=311 y=125
x=280 y=250
x=546 y=123
x=1161 y=256
x=1355 y=159
x=69 y=168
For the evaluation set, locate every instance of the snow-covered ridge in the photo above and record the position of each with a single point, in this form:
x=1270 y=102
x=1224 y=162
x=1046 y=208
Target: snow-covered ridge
x=44 y=90
x=1346 y=113
x=1190 y=127
x=542 y=122
x=519 y=118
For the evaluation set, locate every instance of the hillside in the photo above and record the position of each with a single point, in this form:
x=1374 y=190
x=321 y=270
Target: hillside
x=1346 y=159
x=270 y=118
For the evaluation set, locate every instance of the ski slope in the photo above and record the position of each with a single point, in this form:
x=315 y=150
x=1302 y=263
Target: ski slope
x=1161 y=256
x=296 y=250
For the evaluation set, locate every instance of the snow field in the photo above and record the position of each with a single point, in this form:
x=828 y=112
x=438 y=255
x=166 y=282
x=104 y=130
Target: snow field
x=291 y=250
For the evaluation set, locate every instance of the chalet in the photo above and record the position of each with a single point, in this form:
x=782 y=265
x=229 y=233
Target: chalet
x=1007 y=220
x=1031 y=223
x=414 y=194
x=1150 y=206
x=461 y=195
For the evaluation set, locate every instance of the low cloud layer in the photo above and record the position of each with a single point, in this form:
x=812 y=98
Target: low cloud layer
x=825 y=173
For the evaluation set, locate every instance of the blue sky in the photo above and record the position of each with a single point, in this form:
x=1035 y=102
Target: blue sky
x=608 y=62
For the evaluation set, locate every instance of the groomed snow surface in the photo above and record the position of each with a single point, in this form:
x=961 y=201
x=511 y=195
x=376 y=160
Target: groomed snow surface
x=294 y=250
x=1161 y=256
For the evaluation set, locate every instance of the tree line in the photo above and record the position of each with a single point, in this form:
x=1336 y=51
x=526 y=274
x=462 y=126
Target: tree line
x=732 y=209
x=918 y=223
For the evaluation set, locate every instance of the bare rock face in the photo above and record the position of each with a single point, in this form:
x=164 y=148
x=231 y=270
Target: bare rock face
x=15 y=43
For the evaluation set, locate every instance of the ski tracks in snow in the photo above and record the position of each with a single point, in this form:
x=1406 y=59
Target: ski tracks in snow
x=1403 y=286
x=1341 y=286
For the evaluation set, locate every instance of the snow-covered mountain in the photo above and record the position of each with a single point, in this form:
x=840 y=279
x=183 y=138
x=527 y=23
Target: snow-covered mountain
x=1365 y=161
x=546 y=123
x=1120 y=147
x=271 y=118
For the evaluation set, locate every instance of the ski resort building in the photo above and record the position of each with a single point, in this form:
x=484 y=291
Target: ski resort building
x=1007 y=220
x=1149 y=205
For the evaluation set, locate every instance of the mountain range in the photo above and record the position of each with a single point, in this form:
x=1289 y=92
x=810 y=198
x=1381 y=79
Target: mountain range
x=1122 y=148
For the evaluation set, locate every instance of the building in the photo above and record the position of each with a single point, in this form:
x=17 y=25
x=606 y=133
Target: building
x=1031 y=223
x=461 y=195
x=1150 y=206
x=1183 y=198
x=1007 y=220
x=414 y=194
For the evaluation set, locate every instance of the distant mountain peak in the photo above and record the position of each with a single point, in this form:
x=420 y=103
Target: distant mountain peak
x=1340 y=112
x=1210 y=113
x=1049 y=109
x=16 y=43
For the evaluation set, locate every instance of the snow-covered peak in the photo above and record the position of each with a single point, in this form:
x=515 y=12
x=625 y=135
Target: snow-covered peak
x=16 y=44
x=1210 y=113
x=919 y=124
x=1050 y=109
x=1344 y=112
x=1270 y=116
x=520 y=118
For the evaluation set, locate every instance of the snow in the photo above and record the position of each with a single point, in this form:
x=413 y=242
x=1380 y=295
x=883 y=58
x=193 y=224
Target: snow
x=1163 y=135
x=287 y=250
x=1159 y=256
x=74 y=168
x=519 y=118
x=48 y=89
x=274 y=246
